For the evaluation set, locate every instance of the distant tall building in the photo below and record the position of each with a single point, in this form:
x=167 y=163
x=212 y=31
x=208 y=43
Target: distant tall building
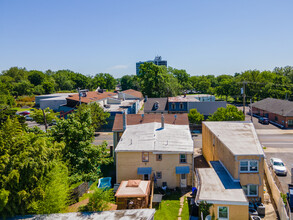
x=158 y=61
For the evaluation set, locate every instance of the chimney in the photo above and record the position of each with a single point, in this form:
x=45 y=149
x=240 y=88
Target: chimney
x=124 y=121
x=162 y=120
x=145 y=98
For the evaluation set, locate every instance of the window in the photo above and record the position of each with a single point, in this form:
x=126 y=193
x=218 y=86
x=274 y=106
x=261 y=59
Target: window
x=223 y=212
x=173 y=106
x=181 y=105
x=146 y=177
x=290 y=122
x=243 y=166
x=159 y=157
x=183 y=158
x=145 y=157
x=276 y=118
x=214 y=141
x=248 y=166
x=159 y=175
x=250 y=190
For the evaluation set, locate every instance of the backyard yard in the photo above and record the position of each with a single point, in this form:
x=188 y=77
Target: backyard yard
x=169 y=207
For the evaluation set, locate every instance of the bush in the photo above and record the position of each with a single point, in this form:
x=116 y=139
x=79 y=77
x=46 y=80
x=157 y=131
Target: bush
x=99 y=201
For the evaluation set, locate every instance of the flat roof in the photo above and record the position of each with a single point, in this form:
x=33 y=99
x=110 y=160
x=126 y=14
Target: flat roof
x=238 y=136
x=127 y=214
x=152 y=138
x=119 y=107
x=212 y=189
x=56 y=95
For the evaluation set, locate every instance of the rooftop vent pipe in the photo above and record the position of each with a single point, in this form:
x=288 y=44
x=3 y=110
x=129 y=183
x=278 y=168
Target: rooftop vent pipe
x=124 y=121
x=162 y=121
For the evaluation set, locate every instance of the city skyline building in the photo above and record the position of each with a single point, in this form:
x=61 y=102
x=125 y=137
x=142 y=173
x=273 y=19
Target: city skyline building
x=158 y=61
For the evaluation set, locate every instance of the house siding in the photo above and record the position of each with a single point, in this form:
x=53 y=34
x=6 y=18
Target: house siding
x=282 y=120
x=128 y=162
x=231 y=162
x=239 y=212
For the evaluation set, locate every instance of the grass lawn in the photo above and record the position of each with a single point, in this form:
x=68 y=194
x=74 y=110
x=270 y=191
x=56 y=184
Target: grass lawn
x=169 y=207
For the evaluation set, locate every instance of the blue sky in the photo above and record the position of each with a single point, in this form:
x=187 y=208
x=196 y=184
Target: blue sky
x=93 y=36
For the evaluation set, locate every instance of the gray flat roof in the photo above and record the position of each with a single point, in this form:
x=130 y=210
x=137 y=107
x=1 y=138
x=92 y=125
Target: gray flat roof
x=119 y=107
x=56 y=94
x=239 y=137
x=128 y=214
x=150 y=137
x=212 y=189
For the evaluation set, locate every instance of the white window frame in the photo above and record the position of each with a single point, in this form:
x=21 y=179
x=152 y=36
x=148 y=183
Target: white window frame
x=248 y=190
x=173 y=106
x=227 y=212
x=249 y=171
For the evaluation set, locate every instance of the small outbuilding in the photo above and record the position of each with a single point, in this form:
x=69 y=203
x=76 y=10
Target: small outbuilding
x=133 y=194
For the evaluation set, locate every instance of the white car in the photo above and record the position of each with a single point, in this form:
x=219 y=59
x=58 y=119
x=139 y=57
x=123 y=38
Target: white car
x=278 y=166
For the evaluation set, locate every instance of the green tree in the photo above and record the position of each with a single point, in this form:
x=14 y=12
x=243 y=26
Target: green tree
x=48 y=86
x=195 y=117
x=44 y=116
x=182 y=76
x=104 y=81
x=36 y=77
x=204 y=208
x=100 y=200
x=155 y=81
x=230 y=113
x=23 y=88
x=129 y=82
x=84 y=158
x=25 y=160
x=98 y=116
x=55 y=191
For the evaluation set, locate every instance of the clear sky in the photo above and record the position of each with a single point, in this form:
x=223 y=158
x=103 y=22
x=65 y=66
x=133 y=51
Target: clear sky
x=93 y=36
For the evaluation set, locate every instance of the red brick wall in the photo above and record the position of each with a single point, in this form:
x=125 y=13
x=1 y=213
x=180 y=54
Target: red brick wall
x=272 y=116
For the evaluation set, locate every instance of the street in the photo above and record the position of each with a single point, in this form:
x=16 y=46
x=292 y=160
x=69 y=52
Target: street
x=278 y=143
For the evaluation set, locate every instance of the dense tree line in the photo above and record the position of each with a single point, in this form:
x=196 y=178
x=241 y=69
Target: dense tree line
x=37 y=168
x=19 y=81
x=159 y=81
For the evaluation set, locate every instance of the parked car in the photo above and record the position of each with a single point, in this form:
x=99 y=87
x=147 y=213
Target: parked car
x=28 y=118
x=278 y=166
x=25 y=113
x=263 y=120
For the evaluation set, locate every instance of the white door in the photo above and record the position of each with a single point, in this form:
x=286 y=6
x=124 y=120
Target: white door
x=183 y=180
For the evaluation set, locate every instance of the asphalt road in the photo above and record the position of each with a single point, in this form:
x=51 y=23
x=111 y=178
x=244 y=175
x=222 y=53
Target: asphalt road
x=279 y=146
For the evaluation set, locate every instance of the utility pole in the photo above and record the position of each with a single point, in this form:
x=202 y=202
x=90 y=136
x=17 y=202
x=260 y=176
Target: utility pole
x=78 y=89
x=45 y=120
x=250 y=107
x=243 y=93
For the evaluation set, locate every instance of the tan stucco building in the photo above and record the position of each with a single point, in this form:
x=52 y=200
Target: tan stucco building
x=234 y=152
x=160 y=150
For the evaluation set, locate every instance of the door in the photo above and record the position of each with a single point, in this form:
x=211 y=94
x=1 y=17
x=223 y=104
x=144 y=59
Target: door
x=146 y=177
x=183 y=180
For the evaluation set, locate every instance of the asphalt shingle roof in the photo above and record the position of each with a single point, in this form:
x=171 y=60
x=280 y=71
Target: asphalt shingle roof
x=162 y=105
x=277 y=106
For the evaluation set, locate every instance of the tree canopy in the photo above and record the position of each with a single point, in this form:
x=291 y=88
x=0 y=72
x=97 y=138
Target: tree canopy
x=195 y=117
x=230 y=113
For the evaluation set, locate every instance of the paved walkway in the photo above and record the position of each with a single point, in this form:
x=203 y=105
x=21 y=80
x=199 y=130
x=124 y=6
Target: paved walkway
x=182 y=198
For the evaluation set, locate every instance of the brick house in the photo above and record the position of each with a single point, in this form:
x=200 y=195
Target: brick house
x=276 y=110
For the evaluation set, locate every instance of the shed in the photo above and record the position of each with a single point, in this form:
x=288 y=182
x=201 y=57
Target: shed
x=133 y=194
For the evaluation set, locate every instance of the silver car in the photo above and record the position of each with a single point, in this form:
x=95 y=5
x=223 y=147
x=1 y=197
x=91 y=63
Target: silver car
x=278 y=166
